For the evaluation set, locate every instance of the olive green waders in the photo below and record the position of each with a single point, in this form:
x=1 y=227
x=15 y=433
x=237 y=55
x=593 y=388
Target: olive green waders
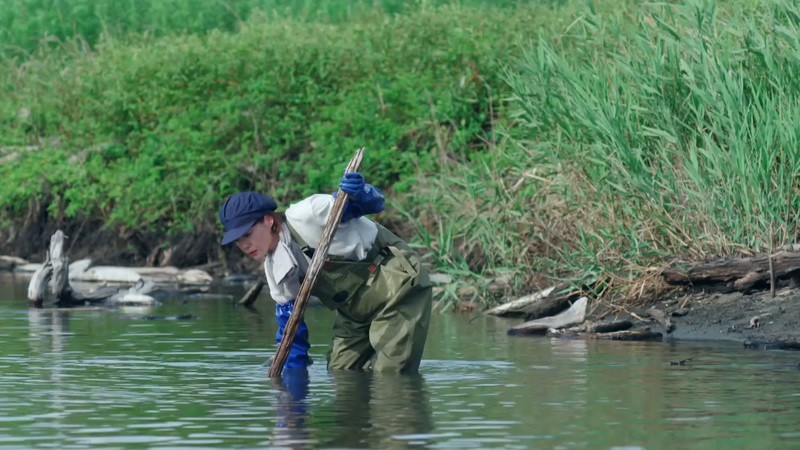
x=383 y=306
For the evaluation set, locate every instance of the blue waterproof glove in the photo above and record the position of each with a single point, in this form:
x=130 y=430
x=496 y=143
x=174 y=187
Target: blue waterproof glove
x=298 y=355
x=353 y=184
x=363 y=197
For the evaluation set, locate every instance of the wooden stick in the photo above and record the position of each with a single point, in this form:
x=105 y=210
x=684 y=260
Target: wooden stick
x=660 y=317
x=314 y=268
x=771 y=276
x=771 y=264
x=252 y=294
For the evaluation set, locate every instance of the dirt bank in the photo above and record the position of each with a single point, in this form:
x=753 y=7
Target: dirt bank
x=757 y=320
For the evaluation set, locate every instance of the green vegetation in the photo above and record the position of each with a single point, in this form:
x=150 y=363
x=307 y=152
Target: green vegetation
x=640 y=135
x=568 y=142
x=275 y=106
x=25 y=25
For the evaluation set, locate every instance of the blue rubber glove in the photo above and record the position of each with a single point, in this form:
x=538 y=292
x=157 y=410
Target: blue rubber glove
x=353 y=184
x=364 y=198
x=298 y=355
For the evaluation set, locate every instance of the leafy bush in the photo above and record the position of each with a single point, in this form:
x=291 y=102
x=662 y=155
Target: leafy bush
x=155 y=132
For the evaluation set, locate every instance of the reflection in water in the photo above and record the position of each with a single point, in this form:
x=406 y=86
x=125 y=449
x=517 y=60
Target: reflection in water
x=378 y=410
x=292 y=411
x=78 y=379
x=48 y=331
x=369 y=410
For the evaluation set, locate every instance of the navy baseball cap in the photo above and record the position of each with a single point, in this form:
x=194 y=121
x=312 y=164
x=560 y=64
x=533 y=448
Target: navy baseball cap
x=241 y=211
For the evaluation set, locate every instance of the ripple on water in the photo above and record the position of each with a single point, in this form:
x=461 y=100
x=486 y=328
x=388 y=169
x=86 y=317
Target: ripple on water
x=115 y=383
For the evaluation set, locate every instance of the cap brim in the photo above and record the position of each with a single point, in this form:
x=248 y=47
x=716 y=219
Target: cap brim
x=234 y=234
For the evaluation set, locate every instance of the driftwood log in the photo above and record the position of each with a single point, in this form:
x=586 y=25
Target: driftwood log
x=602 y=327
x=52 y=279
x=83 y=270
x=573 y=316
x=623 y=335
x=740 y=273
x=513 y=307
x=544 y=303
x=59 y=281
x=628 y=335
x=38 y=286
x=662 y=318
x=11 y=262
x=252 y=294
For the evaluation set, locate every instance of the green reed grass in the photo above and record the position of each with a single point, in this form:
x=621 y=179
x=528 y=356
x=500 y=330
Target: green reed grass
x=658 y=131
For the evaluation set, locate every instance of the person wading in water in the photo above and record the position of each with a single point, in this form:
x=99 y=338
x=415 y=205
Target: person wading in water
x=372 y=279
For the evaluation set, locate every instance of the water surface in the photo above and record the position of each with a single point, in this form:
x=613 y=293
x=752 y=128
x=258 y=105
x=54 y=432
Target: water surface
x=106 y=379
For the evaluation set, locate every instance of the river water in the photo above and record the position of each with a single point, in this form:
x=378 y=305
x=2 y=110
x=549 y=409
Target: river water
x=107 y=379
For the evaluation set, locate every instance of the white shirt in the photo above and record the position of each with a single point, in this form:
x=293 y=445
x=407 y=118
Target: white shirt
x=353 y=239
x=283 y=268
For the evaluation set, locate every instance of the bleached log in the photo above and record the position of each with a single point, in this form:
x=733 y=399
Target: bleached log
x=546 y=303
x=108 y=274
x=660 y=317
x=573 y=316
x=171 y=274
x=28 y=268
x=91 y=292
x=79 y=266
x=194 y=276
x=136 y=295
x=602 y=327
x=627 y=335
x=515 y=305
x=64 y=280
x=37 y=287
x=59 y=280
x=83 y=271
x=252 y=294
x=11 y=262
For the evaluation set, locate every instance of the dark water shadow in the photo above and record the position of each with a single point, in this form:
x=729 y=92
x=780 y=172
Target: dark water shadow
x=374 y=410
x=367 y=410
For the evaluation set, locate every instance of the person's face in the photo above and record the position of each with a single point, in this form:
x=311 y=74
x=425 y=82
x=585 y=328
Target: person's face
x=260 y=240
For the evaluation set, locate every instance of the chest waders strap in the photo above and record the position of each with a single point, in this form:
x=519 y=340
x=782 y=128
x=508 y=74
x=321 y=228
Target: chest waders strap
x=340 y=279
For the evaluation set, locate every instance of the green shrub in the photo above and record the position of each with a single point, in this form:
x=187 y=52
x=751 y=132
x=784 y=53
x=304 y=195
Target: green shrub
x=160 y=130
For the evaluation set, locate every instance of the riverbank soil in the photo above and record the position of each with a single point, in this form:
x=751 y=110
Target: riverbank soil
x=757 y=319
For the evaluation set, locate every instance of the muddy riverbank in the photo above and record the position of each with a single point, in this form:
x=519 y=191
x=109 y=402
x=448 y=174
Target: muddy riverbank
x=755 y=318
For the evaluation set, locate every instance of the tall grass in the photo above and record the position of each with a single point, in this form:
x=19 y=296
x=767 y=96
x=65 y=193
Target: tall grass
x=26 y=25
x=647 y=133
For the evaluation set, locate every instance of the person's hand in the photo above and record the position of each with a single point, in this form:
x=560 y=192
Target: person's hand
x=353 y=184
